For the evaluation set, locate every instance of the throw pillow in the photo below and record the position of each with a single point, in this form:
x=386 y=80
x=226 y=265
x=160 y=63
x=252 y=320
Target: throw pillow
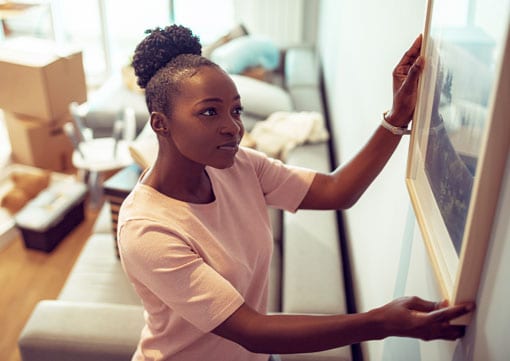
x=235 y=32
x=245 y=52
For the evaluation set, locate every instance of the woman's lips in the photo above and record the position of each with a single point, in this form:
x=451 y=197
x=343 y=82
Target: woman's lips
x=232 y=146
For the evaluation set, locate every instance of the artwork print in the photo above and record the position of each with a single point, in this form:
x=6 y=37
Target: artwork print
x=459 y=110
x=460 y=136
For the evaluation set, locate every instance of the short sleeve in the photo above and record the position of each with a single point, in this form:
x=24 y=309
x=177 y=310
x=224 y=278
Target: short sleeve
x=284 y=186
x=165 y=265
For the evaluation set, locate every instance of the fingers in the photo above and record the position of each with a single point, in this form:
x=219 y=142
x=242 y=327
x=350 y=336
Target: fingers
x=415 y=71
x=415 y=49
x=442 y=318
x=442 y=304
x=421 y=305
x=449 y=313
x=412 y=53
x=451 y=333
x=409 y=69
x=411 y=82
x=417 y=42
x=438 y=324
x=439 y=311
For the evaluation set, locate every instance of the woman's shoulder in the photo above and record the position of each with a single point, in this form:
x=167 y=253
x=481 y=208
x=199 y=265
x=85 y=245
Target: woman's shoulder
x=147 y=212
x=146 y=203
x=249 y=153
x=254 y=157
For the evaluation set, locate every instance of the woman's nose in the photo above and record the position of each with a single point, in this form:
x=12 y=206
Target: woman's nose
x=232 y=126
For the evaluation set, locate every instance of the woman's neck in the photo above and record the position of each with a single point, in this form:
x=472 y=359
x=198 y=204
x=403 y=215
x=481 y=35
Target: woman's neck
x=186 y=182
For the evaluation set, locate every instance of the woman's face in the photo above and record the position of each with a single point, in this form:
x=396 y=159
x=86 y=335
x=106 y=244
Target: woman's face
x=205 y=122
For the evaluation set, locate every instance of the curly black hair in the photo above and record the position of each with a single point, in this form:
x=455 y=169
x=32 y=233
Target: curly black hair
x=163 y=58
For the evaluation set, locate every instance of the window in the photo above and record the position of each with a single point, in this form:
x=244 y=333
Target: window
x=108 y=30
x=208 y=19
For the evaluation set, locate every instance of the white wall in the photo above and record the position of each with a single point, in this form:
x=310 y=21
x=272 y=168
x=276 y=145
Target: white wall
x=360 y=42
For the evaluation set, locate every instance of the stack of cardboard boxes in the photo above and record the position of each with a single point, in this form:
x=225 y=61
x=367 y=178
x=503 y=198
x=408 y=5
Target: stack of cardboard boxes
x=38 y=80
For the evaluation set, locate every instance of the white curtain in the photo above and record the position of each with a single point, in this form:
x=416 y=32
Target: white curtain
x=281 y=20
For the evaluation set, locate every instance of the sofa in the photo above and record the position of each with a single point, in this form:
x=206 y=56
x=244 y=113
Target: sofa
x=98 y=316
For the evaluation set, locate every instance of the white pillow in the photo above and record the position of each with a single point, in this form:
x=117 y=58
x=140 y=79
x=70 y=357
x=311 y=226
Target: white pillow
x=261 y=98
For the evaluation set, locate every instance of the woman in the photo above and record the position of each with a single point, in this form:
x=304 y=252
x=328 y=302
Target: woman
x=195 y=236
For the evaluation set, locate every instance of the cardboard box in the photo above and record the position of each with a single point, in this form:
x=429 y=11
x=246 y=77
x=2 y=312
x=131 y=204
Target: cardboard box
x=40 y=79
x=40 y=144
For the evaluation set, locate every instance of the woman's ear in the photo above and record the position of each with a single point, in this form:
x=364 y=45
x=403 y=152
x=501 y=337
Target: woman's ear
x=159 y=123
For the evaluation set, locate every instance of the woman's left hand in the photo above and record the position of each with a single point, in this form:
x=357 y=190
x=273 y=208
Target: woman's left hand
x=405 y=85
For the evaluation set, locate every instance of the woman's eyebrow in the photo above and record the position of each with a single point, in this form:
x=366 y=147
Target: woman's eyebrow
x=206 y=100
x=218 y=100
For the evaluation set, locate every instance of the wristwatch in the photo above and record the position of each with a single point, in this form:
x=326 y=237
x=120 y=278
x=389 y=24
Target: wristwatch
x=393 y=129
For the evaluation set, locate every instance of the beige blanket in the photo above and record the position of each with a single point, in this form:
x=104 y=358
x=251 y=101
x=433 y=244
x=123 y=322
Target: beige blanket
x=283 y=131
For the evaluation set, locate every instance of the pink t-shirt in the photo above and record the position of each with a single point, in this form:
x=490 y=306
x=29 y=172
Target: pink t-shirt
x=193 y=265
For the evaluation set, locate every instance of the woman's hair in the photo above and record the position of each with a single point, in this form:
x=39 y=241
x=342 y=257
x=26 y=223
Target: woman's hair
x=162 y=59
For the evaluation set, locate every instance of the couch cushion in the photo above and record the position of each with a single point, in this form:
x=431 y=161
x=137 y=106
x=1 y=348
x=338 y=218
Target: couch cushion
x=275 y=284
x=78 y=331
x=261 y=98
x=103 y=222
x=106 y=103
x=312 y=270
x=306 y=99
x=97 y=275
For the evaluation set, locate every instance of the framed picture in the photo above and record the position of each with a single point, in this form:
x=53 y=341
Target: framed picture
x=460 y=137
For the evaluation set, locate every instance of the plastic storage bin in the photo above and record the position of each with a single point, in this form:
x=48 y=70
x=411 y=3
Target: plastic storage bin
x=50 y=216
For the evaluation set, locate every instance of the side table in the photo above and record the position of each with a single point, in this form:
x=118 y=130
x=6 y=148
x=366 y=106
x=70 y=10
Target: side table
x=116 y=189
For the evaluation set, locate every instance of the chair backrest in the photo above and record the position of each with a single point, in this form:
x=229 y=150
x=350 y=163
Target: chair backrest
x=71 y=132
x=78 y=113
x=118 y=129
x=129 y=117
x=124 y=127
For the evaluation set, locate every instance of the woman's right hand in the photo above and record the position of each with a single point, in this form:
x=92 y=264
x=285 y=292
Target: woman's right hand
x=418 y=318
x=405 y=85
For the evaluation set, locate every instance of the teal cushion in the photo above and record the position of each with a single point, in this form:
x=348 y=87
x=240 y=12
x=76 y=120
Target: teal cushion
x=247 y=51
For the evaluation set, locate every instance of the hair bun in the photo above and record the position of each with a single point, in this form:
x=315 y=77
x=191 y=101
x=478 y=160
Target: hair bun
x=159 y=47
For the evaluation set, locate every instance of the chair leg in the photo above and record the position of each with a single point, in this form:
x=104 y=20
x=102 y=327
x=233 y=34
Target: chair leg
x=95 y=190
x=82 y=175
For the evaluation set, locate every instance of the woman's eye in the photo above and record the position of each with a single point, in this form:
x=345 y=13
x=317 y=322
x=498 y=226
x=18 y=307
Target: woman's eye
x=209 y=112
x=238 y=111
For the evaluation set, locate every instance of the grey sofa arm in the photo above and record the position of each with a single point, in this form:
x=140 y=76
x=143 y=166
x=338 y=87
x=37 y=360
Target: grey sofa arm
x=74 y=331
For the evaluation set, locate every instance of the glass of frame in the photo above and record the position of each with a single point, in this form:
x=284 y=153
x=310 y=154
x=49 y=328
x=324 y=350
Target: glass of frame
x=460 y=137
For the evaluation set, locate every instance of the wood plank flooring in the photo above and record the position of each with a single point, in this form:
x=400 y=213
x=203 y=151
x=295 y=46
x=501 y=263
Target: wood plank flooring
x=27 y=276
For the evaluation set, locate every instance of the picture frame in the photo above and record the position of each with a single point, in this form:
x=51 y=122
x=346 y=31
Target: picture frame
x=460 y=139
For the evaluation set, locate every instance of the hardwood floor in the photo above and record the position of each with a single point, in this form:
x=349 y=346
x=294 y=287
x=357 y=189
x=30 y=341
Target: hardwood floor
x=27 y=276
